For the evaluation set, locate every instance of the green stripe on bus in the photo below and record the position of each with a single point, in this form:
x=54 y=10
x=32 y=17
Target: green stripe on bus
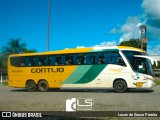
x=77 y=74
x=91 y=74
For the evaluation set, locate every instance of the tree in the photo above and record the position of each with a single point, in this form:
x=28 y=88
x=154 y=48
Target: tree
x=29 y=50
x=3 y=61
x=132 y=43
x=13 y=47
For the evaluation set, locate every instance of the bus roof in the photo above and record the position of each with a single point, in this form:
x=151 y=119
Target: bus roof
x=81 y=50
x=130 y=48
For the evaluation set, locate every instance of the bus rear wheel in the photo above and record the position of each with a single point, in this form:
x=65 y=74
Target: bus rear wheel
x=31 y=86
x=120 y=86
x=43 y=86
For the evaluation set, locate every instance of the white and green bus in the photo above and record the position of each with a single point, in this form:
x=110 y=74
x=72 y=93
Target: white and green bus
x=118 y=67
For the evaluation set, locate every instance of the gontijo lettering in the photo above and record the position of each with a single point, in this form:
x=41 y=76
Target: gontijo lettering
x=47 y=70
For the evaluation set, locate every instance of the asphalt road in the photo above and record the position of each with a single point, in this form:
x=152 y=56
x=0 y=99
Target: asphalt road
x=14 y=99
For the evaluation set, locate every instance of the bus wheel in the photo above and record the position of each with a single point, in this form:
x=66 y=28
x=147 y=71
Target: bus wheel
x=31 y=86
x=120 y=86
x=43 y=86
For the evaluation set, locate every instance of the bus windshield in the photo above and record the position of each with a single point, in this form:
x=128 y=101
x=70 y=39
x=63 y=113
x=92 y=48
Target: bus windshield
x=143 y=65
x=140 y=62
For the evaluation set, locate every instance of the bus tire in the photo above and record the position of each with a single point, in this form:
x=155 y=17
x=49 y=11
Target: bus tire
x=120 y=86
x=43 y=86
x=31 y=86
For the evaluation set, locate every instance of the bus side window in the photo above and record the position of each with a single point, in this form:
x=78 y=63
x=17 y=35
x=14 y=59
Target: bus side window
x=120 y=61
x=107 y=57
x=32 y=61
x=63 y=60
x=41 y=60
x=15 y=61
x=26 y=61
x=60 y=60
x=88 y=59
x=46 y=61
x=69 y=60
x=51 y=60
x=80 y=60
x=75 y=59
x=22 y=61
x=114 y=57
x=100 y=58
x=29 y=61
x=92 y=57
x=117 y=59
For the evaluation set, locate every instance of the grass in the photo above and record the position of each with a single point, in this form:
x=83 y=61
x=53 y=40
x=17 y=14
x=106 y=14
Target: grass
x=157 y=82
x=4 y=83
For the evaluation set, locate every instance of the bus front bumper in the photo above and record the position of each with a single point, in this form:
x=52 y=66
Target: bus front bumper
x=151 y=84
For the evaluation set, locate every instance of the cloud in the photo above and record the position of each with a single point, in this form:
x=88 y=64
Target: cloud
x=153 y=33
x=151 y=8
x=114 y=30
x=152 y=13
x=129 y=26
x=130 y=29
x=103 y=44
x=80 y=47
x=106 y=44
x=153 y=22
x=154 y=50
x=142 y=23
x=150 y=18
x=126 y=36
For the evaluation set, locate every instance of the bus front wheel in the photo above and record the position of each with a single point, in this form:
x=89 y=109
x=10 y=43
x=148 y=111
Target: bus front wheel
x=31 y=86
x=120 y=86
x=43 y=86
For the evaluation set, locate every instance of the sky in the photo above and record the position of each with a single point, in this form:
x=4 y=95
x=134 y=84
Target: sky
x=79 y=23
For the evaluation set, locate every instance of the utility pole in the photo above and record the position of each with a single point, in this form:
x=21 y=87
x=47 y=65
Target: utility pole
x=143 y=37
x=48 y=33
x=1 y=74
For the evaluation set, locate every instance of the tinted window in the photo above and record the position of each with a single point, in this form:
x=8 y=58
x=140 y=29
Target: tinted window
x=16 y=61
x=130 y=55
x=60 y=60
x=33 y=61
x=51 y=60
x=69 y=59
x=89 y=59
x=42 y=60
x=107 y=57
x=80 y=59
x=117 y=59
